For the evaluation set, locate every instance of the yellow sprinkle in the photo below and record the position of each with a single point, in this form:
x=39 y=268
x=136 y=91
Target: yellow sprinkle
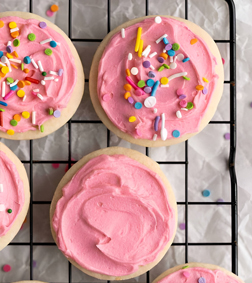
x=9 y=56
x=164 y=81
x=128 y=72
x=140 y=50
x=12 y=25
x=127 y=87
x=14 y=66
x=25 y=114
x=127 y=95
x=10 y=132
x=27 y=83
x=205 y=80
x=5 y=70
x=139 y=32
x=164 y=55
x=20 y=93
x=132 y=119
x=199 y=87
x=193 y=41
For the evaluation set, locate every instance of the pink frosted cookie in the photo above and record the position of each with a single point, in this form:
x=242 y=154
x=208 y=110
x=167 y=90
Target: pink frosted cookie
x=41 y=76
x=114 y=214
x=197 y=273
x=14 y=195
x=156 y=81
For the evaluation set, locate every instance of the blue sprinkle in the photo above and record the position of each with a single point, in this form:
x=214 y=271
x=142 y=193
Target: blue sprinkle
x=138 y=105
x=1 y=54
x=53 y=44
x=165 y=40
x=206 y=193
x=3 y=103
x=150 y=82
x=27 y=60
x=186 y=59
x=171 y=52
x=14 y=87
x=176 y=134
x=155 y=87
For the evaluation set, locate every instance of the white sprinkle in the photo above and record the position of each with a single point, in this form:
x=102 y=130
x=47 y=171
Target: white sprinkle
x=16 y=61
x=34 y=64
x=160 y=38
x=36 y=90
x=152 y=54
x=56 y=80
x=16 y=81
x=177 y=75
x=158 y=20
x=130 y=56
x=146 y=51
x=3 y=89
x=123 y=32
x=8 y=83
x=155 y=137
x=45 y=41
x=40 y=66
x=58 y=43
x=14 y=29
x=9 y=43
x=48 y=78
x=180 y=57
x=150 y=101
x=184 y=109
x=1 y=188
x=2 y=207
x=5 y=60
x=152 y=67
x=163 y=131
x=164 y=85
x=171 y=59
x=43 y=82
x=175 y=58
x=164 y=50
x=53 y=73
x=2 y=64
x=134 y=71
x=24 y=98
x=178 y=114
x=173 y=65
x=155 y=110
x=33 y=117
x=40 y=96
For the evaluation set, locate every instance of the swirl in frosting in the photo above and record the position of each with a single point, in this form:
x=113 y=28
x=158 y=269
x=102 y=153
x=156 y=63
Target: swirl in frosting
x=11 y=193
x=112 y=79
x=114 y=216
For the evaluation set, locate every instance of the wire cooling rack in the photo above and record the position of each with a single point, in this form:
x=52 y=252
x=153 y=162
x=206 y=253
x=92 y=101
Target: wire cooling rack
x=232 y=122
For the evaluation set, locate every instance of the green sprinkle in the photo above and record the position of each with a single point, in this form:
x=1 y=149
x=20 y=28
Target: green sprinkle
x=9 y=210
x=42 y=128
x=175 y=46
x=31 y=36
x=2 y=110
x=13 y=122
x=44 y=74
x=50 y=111
x=160 y=68
x=22 y=66
x=48 y=51
x=186 y=78
x=141 y=83
x=184 y=267
x=189 y=105
x=166 y=66
x=10 y=80
x=16 y=42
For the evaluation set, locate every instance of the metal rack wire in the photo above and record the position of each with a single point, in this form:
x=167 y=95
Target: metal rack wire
x=232 y=122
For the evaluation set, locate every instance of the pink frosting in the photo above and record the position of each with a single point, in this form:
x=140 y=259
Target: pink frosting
x=193 y=275
x=114 y=216
x=56 y=94
x=112 y=78
x=12 y=196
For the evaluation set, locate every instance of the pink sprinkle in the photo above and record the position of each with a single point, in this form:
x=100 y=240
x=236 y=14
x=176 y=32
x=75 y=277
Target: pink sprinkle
x=129 y=80
x=138 y=92
x=180 y=91
x=138 y=132
x=183 y=103
x=34 y=93
x=106 y=97
x=8 y=95
x=55 y=165
x=223 y=61
x=6 y=268
x=186 y=274
x=49 y=13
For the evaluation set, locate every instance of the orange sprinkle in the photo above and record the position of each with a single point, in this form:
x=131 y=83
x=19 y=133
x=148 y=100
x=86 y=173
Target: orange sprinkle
x=128 y=72
x=21 y=84
x=14 y=53
x=2 y=75
x=14 y=66
x=164 y=55
x=27 y=83
x=199 y=87
x=127 y=87
x=17 y=117
x=54 y=8
x=26 y=71
x=15 y=34
x=193 y=41
x=9 y=56
x=127 y=95
x=1 y=24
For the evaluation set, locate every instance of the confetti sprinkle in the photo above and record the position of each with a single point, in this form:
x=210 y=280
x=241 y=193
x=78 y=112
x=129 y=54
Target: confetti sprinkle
x=6 y=268
x=206 y=193
x=182 y=226
x=55 y=165
x=227 y=136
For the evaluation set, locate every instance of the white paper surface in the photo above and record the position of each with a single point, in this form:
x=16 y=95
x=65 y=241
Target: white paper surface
x=208 y=151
